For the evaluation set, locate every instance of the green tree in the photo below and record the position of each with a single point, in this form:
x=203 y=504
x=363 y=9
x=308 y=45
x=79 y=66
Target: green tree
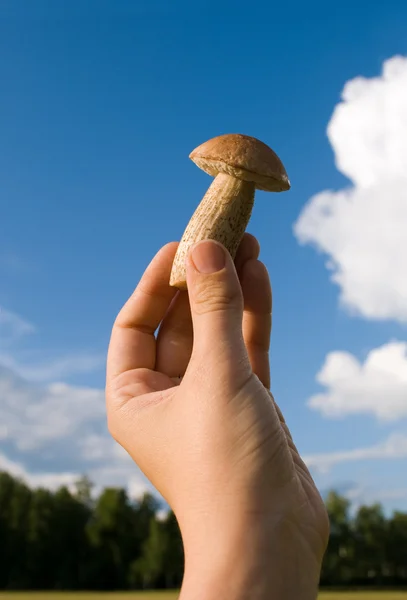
x=147 y=571
x=15 y=499
x=396 y=547
x=112 y=534
x=41 y=563
x=66 y=540
x=70 y=543
x=174 y=552
x=161 y=563
x=338 y=562
x=83 y=491
x=370 y=543
x=146 y=508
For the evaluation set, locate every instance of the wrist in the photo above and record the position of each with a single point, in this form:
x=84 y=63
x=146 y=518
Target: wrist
x=254 y=561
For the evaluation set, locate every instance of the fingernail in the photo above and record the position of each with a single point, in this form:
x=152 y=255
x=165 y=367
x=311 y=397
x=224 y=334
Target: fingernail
x=208 y=257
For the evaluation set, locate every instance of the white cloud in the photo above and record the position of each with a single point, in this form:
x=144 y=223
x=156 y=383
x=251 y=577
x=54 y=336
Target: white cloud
x=363 y=494
x=366 y=494
x=377 y=387
x=45 y=422
x=32 y=416
x=51 y=481
x=12 y=326
x=60 y=422
x=80 y=362
x=120 y=475
x=97 y=447
x=393 y=448
x=362 y=229
x=53 y=369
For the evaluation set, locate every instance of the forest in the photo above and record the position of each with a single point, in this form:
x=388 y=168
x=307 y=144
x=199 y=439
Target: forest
x=72 y=540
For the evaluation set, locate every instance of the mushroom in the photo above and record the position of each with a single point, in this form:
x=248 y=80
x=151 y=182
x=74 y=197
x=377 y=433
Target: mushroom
x=240 y=164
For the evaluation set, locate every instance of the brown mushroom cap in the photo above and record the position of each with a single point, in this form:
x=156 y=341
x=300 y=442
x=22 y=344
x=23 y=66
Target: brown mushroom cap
x=243 y=157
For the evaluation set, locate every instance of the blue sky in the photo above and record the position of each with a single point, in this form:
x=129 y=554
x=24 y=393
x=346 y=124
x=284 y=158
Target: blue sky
x=101 y=103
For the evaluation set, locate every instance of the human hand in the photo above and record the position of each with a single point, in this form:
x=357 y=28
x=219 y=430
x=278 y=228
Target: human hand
x=192 y=407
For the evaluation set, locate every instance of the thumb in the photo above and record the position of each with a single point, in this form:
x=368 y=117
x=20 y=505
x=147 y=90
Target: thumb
x=216 y=301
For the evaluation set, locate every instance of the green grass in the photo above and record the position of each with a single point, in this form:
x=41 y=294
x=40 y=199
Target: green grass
x=174 y=596
x=89 y=596
x=363 y=596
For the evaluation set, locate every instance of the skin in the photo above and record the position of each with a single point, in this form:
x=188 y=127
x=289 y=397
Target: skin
x=214 y=443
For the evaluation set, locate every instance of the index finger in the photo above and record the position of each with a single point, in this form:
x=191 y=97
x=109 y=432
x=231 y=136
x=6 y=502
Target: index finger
x=132 y=343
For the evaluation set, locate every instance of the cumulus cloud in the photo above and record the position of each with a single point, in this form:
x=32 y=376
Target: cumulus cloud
x=32 y=416
x=366 y=493
x=52 y=432
x=116 y=474
x=51 y=481
x=377 y=386
x=63 y=426
x=362 y=229
x=394 y=447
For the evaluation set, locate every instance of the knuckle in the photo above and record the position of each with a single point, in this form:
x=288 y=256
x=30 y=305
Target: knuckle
x=215 y=298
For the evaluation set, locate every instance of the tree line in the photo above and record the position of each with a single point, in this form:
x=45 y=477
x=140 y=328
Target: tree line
x=68 y=540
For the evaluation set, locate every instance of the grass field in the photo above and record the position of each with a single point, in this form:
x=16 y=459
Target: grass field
x=173 y=596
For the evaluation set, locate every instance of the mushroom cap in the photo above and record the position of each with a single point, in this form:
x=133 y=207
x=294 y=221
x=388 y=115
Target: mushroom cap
x=243 y=157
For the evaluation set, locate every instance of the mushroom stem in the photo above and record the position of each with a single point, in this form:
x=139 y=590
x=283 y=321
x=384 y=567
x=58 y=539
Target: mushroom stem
x=222 y=215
